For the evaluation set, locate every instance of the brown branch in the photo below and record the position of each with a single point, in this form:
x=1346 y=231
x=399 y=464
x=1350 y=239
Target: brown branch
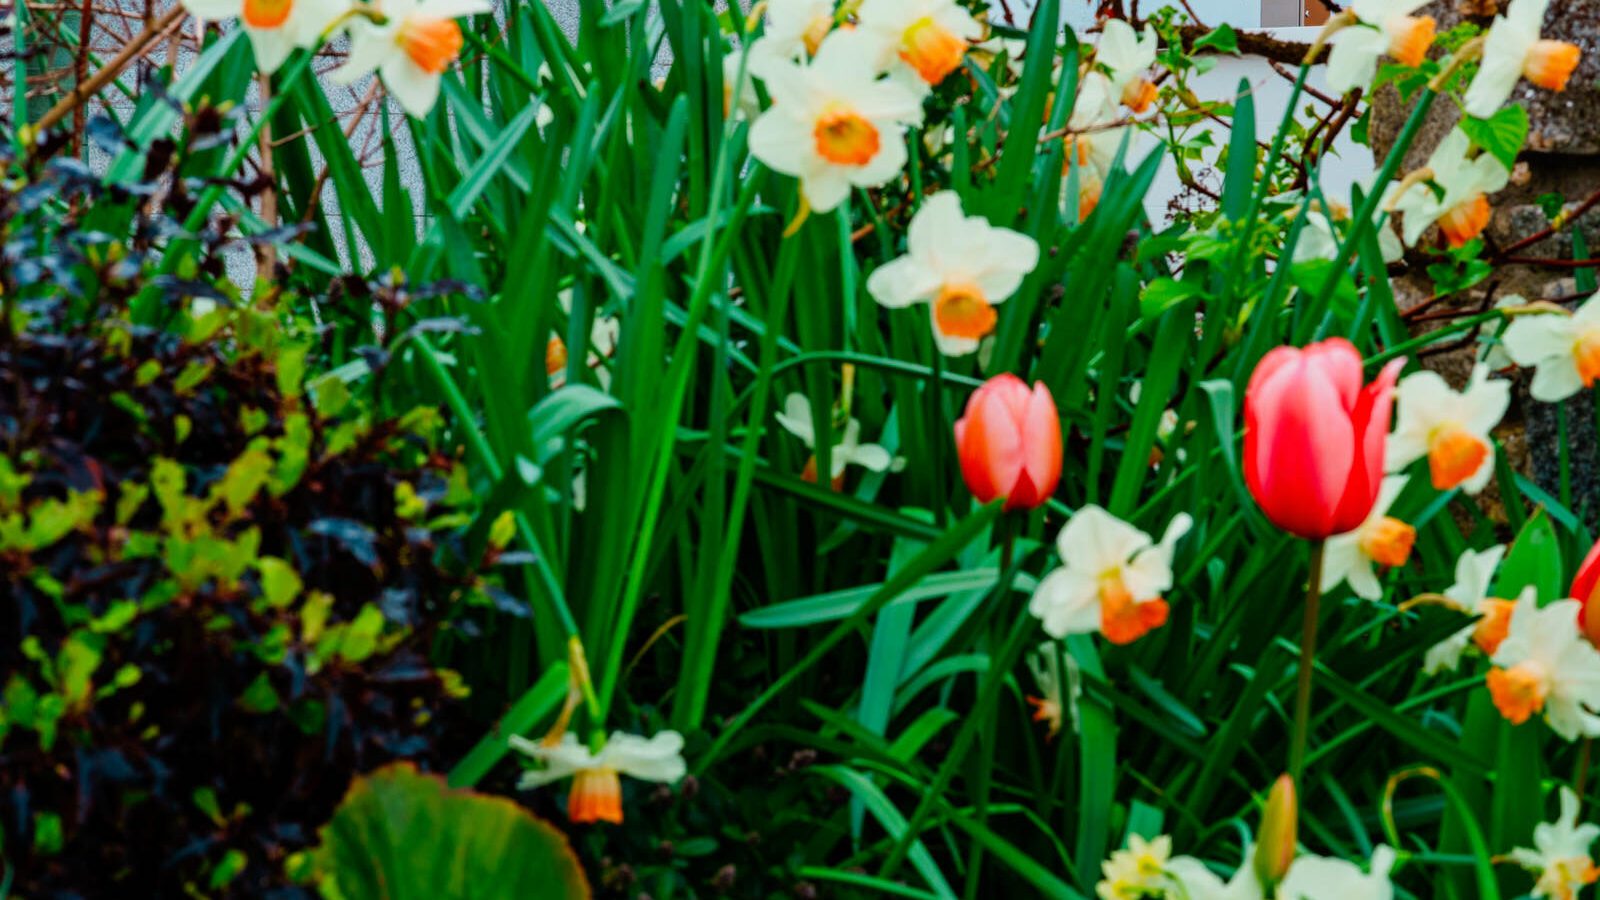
x=1562 y=219
x=1551 y=263
x=1255 y=43
x=87 y=88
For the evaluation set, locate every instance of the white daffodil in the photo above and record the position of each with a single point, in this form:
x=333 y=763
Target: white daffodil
x=1319 y=237
x=1496 y=358
x=275 y=27
x=1512 y=50
x=1200 y=883
x=1138 y=872
x=833 y=123
x=1381 y=540
x=1111 y=580
x=1128 y=56
x=925 y=40
x=1470 y=594
x=1056 y=673
x=1564 y=350
x=961 y=266
x=1560 y=859
x=1546 y=665
x=1383 y=26
x=748 y=104
x=418 y=40
x=596 y=788
x=1319 y=878
x=603 y=336
x=1094 y=142
x=1450 y=428
x=1459 y=197
x=797 y=419
x=795 y=31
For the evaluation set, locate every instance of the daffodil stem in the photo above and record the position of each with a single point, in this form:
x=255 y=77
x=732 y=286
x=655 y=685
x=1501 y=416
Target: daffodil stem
x=1580 y=778
x=1308 y=660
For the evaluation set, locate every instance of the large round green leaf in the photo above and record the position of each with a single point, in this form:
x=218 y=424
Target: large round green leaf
x=400 y=834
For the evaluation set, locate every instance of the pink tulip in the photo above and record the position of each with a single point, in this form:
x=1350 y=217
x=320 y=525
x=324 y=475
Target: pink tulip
x=1314 y=437
x=1009 y=442
x=1583 y=591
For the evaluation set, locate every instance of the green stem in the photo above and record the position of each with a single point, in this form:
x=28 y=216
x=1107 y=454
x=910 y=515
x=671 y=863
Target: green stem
x=1308 y=660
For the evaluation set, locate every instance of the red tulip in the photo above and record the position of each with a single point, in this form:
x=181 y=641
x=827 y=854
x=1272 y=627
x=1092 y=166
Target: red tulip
x=1583 y=591
x=1314 y=437
x=1009 y=441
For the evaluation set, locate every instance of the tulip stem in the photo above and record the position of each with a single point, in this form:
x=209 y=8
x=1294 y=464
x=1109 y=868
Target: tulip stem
x=1308 y=659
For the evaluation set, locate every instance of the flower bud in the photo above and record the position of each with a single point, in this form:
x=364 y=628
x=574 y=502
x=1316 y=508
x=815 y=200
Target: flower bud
x=1275 y=848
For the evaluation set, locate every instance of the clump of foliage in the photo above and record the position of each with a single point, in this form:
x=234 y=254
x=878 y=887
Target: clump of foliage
x=222 y=579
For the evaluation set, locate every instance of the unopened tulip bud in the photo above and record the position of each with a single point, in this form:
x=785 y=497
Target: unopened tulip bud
x=1009 y=442
x=1275 y=849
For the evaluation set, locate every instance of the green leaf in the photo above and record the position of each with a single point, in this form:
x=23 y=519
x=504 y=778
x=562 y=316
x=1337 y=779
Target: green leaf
x=1222 y=39
x=1502 y=134
x=1533 y=560
x=401 y=835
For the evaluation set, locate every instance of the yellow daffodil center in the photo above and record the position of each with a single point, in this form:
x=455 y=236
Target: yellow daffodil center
x=1454 y=455
x=815 y=32
x=1586 y=353
x=1122 y=620
x=1494 y=626
x=267 y=13
x=962 y=311
x=1139 y=94
x=1559 y=881
x=433 y=44
x=1465 y=221
x=1518 y=693
x=596 y=796
x=555 y=356
x=1388 y=541
x=1410 y=37
x=931 y=49
x=1550 y=63
x=845 y=138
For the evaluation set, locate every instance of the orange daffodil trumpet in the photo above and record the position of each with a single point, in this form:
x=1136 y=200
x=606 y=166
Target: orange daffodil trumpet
x=1470 y=595
x=413 y=46
x=276 y=28
x=1512 y=50
x=833 y=122
x=1448 y=428
x=1381 y=540
x=1381 y=27
x=1127 y=56
x=920 y=42
x=960 y=266
x=1111 y=580
x=1564 y=350
x=1460 y=205
x=1559 y=858
x=1546 y=666
x=797 y=419
x=596 y=784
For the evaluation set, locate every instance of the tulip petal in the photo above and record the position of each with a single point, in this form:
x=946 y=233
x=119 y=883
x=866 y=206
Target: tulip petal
x=1041 y=431
x=1303 y=447
x=1371 y=422
x=1337 y=360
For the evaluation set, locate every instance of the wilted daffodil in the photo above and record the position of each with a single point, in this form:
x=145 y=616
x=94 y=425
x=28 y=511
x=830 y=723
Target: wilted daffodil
x=596 y=786
x=961 y=266
x=1560 y=857
x=1545 y=665
x=1513 y=49
x=1470 y=595
x=796 y=418
x=1128 y=56
x=1057 y=676
x=275 y=27
x=1381 y=27
x=1458 y=198
x=411 y=49
x=833 y=123
x=1450 y=428
x=930 y=37
x=1112 y=578
x=1381 y=540
x=1564 y=350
